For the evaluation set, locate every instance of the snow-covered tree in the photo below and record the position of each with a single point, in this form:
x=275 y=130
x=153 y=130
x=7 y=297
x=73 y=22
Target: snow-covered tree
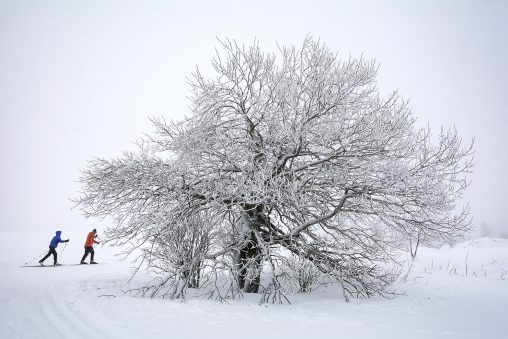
x=294 y=152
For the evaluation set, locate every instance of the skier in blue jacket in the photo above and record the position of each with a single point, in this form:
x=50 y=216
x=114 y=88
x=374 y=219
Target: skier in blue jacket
x=52 y=246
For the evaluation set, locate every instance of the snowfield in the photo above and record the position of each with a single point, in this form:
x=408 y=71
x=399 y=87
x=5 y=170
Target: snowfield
x=452 y=292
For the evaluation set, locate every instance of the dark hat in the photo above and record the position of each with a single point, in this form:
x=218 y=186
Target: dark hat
x=94 y=230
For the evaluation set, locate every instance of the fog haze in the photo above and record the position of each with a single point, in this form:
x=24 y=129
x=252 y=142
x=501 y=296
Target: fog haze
x=78 y=80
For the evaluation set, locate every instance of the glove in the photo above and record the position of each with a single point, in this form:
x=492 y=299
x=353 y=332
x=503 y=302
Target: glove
x=67 y=240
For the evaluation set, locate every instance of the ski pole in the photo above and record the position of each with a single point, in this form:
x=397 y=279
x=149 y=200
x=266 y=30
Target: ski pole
x=63 y=249
x=40 y=255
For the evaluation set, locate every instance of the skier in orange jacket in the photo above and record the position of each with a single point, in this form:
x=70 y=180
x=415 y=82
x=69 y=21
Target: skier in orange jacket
x=90 y=240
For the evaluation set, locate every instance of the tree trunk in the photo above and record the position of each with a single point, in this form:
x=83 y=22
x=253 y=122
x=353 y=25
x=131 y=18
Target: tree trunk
x=192 y=275
x=248 y=264
x=248 y=260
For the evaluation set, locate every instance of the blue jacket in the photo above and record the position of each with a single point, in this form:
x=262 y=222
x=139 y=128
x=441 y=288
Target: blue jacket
x=56 y=240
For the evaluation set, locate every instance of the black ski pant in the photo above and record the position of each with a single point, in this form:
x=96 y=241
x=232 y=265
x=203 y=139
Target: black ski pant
x=51 y=251
x=88 y=250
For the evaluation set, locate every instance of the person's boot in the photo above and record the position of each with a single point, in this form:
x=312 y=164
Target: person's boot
x=40 y=262
x=93 y=262
x=83 y=263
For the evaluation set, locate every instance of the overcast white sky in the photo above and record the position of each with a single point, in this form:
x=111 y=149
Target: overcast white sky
x=79 y=78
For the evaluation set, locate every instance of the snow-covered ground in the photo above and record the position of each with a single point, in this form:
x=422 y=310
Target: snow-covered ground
x=439 y=300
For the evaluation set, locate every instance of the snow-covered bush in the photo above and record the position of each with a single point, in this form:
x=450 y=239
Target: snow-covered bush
x=302 y=273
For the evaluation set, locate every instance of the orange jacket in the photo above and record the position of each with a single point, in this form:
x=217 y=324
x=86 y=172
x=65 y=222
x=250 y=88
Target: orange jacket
x=90 y=240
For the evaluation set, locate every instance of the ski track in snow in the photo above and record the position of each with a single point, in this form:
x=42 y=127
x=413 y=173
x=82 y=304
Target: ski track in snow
x=54 y=309
x=65 y=322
